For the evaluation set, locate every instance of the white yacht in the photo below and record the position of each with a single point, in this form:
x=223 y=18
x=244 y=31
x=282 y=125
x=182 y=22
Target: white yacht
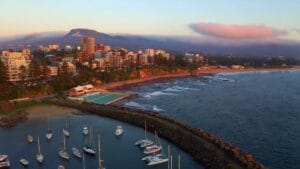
x=4 y=162
x=119 y=131
x=85 y=130
x=24 y=162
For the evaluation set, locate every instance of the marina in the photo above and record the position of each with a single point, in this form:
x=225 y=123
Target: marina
x=111 y=147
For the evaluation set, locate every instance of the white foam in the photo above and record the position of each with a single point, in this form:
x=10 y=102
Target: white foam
x=157 y=93
x=134 y=104
x=184 y=88
x=155 y=108
x=170 y=89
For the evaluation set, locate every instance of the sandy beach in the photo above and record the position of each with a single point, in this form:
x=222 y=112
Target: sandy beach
x=41 y=111
x=116 y=85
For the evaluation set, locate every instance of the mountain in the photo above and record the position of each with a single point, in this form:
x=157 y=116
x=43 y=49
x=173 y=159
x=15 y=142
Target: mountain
x=170 y=43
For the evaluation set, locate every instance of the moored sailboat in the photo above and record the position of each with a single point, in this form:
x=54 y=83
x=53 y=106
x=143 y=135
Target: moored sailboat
x=100 y=161
x=88 y=147
x=39 y=155
x=144 y=142
x=156 y=159
x=49 y=133
x=65 y=130
x=76 y=152
x=62 y=152
x=153 y=148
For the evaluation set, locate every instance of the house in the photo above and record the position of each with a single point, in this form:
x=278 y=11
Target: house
x=88 y=88
x=76 y=91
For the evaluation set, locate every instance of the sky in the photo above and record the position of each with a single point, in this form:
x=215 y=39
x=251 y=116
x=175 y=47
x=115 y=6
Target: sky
x=229 y=19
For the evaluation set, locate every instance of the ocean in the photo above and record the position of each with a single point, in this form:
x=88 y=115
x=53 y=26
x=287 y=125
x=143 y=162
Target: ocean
x=257 y=111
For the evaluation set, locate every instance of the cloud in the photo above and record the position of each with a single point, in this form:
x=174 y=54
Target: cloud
x=237 y=32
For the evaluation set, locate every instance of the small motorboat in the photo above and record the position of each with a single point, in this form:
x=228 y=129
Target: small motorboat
x=85 y=130
x=76 y=152
x=119 y=131
x=4 y=162
x=60 y=167
x=29 y=139
x=24 y=162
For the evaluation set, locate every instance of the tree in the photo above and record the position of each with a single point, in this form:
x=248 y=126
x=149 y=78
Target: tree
x=22 y=73
x=45 y=70
x=34 y=71
x=3 y=73
x=64 y=72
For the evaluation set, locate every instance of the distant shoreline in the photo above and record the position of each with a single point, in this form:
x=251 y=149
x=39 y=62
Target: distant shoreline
x=127 y=83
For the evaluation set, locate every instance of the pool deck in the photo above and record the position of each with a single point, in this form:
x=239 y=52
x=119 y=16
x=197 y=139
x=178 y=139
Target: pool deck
x=104 y=94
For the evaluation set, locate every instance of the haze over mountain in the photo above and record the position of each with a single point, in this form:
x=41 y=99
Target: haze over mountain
x=171 y=43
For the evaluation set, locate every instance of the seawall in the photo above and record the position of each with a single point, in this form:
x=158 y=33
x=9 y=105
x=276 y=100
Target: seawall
x=207 y=149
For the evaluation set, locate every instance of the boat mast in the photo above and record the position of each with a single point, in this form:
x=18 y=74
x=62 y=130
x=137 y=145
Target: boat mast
x=168 y=156
x=48 y=123
x=171 y=162
x=64 y=142
x=99 y=151
x=39 y=148
x=179 y=161
x=145 y=129
x=83 y=161
x=90 y=137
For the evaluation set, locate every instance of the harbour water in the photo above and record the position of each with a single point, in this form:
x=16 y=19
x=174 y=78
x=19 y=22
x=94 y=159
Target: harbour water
x=258 y=111
x=117 y=152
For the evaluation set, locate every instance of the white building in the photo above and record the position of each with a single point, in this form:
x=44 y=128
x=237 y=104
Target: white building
x=13 y=61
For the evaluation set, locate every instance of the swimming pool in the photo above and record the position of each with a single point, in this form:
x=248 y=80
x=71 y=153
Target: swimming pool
x=103 y=98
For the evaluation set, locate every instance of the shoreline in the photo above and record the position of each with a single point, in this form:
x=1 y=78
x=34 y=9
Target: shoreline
x=41 y=111
x=134 y=82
